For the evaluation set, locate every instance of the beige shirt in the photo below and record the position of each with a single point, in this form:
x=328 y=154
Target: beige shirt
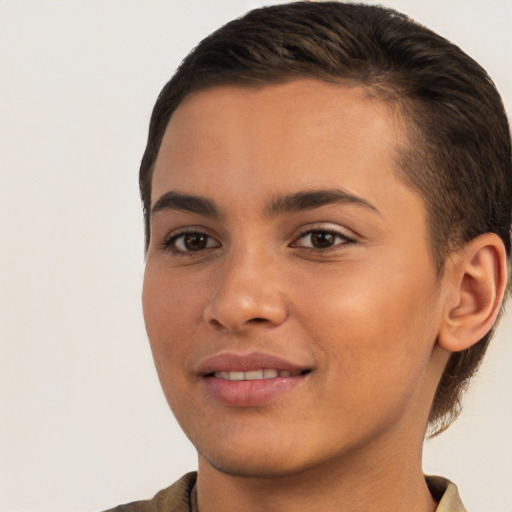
x=179 y=497
x=446 y=494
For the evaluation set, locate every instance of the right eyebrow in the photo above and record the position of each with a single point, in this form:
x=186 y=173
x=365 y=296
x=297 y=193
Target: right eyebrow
x=185 y=202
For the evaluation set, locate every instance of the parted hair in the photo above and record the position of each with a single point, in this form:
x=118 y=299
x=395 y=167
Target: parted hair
x=458 y=150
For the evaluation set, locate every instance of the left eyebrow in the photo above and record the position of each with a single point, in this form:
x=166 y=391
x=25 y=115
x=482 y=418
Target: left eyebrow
x=309 y=200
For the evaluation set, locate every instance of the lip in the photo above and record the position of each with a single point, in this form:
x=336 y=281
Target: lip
x=249 y=393
x=230 y=361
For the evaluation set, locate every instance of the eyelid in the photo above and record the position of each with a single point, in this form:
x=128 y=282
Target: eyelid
x=330 y=227
x=324 y=227
x=167 y=244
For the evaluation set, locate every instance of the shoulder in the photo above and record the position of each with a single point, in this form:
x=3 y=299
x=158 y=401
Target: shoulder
x=175 y=498
x=445 y=493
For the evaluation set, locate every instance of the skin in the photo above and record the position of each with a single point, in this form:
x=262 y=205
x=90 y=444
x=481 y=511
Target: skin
x=362 y=313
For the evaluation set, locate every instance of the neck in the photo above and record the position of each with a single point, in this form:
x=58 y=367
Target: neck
x=389 y=481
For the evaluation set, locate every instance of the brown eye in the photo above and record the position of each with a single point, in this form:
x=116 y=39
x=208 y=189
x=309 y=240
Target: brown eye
x=322 y=239
x=192 y=242
x=195 y=241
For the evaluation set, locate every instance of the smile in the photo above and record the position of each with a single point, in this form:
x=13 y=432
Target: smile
x=266 y=373
x=251 y=379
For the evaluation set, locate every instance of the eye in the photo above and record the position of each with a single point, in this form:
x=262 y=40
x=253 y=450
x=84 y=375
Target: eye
x=318 y=239
x=190 y=242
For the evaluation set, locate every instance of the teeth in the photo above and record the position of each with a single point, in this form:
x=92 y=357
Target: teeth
x=254 y=375
x=266 y=373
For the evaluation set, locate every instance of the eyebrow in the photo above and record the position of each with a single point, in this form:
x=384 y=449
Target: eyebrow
x=309 y=200
x=184 y=202
x=296 y=202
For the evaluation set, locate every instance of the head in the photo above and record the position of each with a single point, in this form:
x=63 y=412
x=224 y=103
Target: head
x=456 y=154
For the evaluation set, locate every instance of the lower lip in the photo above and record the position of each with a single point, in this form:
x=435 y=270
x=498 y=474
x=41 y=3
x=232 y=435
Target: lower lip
x=248 y=393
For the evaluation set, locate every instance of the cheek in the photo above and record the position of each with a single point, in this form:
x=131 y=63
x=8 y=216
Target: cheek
x=372 y=322
x=167 y=315
x=170 y=305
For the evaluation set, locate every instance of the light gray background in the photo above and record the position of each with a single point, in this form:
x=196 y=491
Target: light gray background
x=83 y=423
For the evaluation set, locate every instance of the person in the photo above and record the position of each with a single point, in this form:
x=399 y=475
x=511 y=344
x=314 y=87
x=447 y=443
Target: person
x=327 y=195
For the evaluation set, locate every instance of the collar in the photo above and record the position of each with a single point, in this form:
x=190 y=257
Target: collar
x=443 y=491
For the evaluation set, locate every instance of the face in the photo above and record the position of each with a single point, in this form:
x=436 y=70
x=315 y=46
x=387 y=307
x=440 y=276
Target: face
x=290 y=298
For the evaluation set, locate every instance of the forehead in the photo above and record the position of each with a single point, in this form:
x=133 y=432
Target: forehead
x=303 y=133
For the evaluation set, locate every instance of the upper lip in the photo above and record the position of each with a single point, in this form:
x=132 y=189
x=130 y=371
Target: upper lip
x=232 y=362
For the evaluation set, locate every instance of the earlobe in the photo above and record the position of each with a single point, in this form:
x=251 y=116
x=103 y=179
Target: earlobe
x=477 y=280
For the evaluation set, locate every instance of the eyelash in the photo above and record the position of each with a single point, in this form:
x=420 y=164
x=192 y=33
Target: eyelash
x=345 y=240
x=170 y=243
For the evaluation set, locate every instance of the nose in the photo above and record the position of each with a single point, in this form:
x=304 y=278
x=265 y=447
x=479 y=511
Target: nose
x=247 y=293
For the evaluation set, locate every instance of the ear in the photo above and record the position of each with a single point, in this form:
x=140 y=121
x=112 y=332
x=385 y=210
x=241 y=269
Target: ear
x=476 y=277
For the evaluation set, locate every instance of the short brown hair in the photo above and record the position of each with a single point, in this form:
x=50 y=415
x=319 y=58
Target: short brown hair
x=458 y=156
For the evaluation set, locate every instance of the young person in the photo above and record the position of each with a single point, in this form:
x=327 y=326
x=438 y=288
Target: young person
x=327 y=193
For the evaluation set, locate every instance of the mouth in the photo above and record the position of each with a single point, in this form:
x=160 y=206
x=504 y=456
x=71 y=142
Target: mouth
x=249 y=380
x=261 y=374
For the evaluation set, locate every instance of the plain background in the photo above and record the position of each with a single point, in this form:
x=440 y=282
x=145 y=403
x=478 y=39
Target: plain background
x=83 y=423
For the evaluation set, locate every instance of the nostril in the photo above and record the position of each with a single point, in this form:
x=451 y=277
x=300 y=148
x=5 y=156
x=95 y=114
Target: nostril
x=235 y=313
x=215 y=323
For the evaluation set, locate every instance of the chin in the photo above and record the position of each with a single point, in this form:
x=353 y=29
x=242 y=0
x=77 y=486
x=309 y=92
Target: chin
x=262 y=468
x=267 y=459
